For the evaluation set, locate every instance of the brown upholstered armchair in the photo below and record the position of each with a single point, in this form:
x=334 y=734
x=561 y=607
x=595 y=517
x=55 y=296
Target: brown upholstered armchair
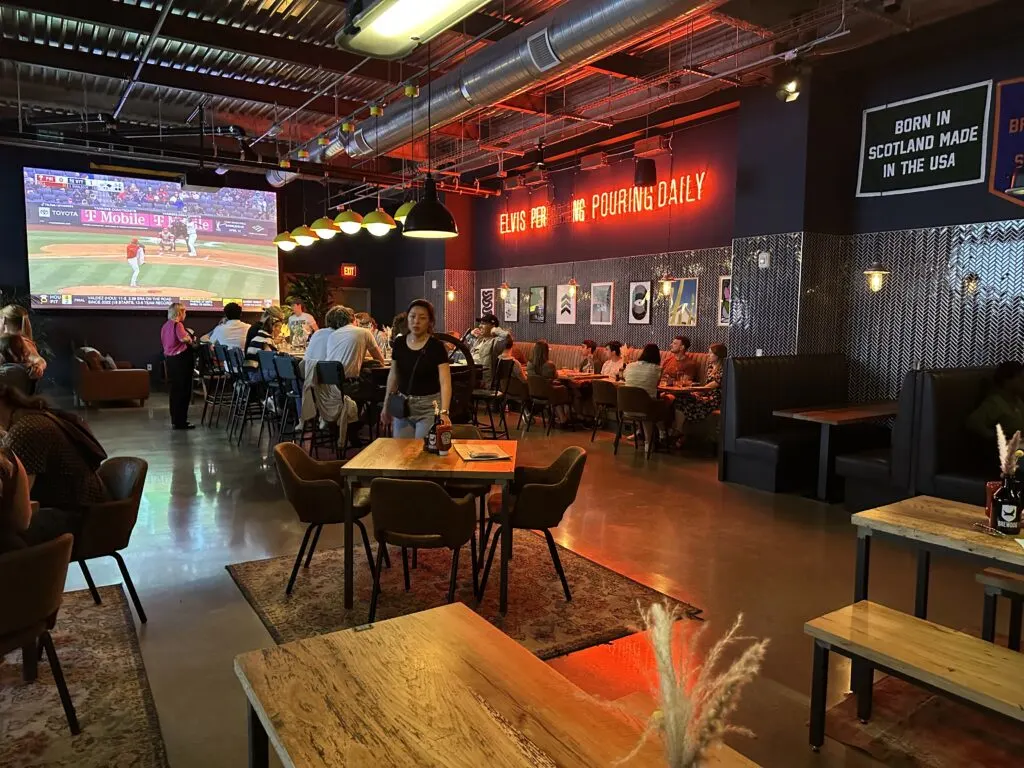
x=28 y=611
x=540 y=497
x=317 y=494
x=435 y=521
x=107 y=527
x=96 y=382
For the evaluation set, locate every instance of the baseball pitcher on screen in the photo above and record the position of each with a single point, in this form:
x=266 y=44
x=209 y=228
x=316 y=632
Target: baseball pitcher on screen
x=136 y=255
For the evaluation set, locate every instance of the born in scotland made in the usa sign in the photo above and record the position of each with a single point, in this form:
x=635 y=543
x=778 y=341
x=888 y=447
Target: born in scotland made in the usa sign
x=934 y=141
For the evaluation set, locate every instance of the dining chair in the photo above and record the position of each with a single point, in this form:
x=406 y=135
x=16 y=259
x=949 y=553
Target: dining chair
x=290 y=385
x=540 y=497
x=545 y=395
x=435 y=521
x=494 y=397
x=606 y=398
x=212 y=377
x=637 y=407
x=476 y=488
x=270 y=393
x=29 y=612
x=107 y=527
x=223 y=395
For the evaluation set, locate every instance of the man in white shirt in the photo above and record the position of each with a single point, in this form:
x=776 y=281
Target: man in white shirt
x=490 y=340
x=350 y=344
x=232 y=331
x=316 y=349
x=301 y=325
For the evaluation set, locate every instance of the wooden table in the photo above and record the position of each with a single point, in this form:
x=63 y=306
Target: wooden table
x=835 y=416
x=405 y=458
x=440 y=687
x=576 y=376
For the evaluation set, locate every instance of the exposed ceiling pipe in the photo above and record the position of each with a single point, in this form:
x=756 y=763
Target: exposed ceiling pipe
x=164 y=13
x=569 y=36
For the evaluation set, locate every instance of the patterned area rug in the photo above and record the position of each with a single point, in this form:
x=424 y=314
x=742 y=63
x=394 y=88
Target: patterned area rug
x=912 y=728
x=99 y=653
x=603 y=607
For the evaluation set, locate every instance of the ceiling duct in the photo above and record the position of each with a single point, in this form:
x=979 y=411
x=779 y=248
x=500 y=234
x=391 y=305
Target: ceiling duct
x=567 y=37
x=593 y=161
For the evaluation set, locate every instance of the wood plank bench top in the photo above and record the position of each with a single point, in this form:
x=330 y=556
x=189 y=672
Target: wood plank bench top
x=965 y=666
x=1004 y=580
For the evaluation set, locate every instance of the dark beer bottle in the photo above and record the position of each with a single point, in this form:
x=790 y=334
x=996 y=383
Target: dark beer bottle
x=1006 y=507
x=431 y=438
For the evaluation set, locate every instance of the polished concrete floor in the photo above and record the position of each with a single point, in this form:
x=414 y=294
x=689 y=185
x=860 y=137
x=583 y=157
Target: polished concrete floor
x=666 y=522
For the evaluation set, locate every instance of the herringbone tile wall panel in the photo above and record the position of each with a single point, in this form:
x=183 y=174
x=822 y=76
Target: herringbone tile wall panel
x=822 y=310
x=461 y=313
x=766 y=300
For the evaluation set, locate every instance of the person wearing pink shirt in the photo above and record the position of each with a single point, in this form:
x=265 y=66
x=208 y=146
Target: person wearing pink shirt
x=177 y=343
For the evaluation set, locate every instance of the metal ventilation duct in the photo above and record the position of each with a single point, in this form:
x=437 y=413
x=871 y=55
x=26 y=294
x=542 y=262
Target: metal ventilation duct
x=572 y=34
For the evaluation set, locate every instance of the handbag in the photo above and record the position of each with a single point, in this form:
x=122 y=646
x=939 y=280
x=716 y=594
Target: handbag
x=398 y=402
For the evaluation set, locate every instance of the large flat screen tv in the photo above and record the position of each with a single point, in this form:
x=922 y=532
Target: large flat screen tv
x=118 y=242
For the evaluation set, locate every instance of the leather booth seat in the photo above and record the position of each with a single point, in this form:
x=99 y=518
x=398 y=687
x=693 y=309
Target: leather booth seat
x=569 y=356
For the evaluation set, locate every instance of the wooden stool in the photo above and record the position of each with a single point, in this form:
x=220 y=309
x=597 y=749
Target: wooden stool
x=999 y=583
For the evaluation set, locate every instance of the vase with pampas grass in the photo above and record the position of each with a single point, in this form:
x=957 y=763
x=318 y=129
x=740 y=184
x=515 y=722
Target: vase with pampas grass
x=1009 y=498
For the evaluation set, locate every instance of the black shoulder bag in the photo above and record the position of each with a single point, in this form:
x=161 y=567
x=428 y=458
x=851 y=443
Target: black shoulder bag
x=398 y=402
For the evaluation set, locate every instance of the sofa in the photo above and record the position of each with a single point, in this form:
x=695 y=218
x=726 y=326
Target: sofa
x=764 y=451
x=99 y=378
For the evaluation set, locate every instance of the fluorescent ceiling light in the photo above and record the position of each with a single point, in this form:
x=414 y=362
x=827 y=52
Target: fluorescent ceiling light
x=390 y=29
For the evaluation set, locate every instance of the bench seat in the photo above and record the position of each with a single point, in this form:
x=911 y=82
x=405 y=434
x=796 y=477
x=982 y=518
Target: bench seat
x=936 y=657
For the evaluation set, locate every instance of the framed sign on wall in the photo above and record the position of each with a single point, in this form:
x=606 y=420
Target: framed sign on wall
x=486 y=301
x=640 y=302
x=565 y=301
x=511 y=306
x=935 y=141
x=602 y=303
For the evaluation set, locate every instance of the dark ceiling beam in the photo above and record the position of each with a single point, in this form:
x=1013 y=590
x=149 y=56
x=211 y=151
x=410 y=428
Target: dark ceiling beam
x=737 y=23
x=132 y=18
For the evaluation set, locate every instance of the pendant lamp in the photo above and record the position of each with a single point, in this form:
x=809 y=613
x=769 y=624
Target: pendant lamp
x=378 y=223
x=285 y=242
x=403 y=211
x=349 y=222
x=304 y=236
x=325 y=228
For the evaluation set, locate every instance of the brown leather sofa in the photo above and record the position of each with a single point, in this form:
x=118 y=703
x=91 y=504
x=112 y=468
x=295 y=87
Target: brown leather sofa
x=99 y=379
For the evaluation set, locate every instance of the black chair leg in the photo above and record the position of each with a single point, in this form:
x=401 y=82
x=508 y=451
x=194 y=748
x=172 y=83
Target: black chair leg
x=476 y=567
x=131 y=586
x=453 y=578
x=88 y=580
x=62 y=686
x=553 y=548
x=298 y=558
x=366 y=543
x=382 y=548
x=597 y=420
x=483 y=522
x=988 y=617
x=312 y=546
x=618 y=437
x=490 y=559
x=405 y=567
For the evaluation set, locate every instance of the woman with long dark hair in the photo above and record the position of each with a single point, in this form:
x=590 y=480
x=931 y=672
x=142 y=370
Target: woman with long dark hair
x=420 y=375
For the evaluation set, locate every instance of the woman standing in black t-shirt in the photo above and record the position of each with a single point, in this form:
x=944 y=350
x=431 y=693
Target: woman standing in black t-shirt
x=420 y=371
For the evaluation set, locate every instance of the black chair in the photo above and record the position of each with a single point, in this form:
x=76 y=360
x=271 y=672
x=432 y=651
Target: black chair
x=494 y=398
x=270 y=393
x=248 y=405
x=212 y=377
x=606 y=399
x=545 y=396
x=476 y=488
x=17 y=377
x=330 y=373
x=226 y=388
x=290 y=387
x=636 y=406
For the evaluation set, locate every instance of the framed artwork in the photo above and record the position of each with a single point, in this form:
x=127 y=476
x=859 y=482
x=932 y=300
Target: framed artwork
x=724 y=299
x=602 y=303
x=682 y=308
x=640 y=302
x=538 y=300
x=486 y=302
x=511 y=306
x=565 y=302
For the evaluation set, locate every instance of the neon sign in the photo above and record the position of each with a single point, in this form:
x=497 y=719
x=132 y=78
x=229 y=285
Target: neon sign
x=523 y=219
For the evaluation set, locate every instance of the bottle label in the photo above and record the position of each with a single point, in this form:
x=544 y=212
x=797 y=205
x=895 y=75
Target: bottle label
x=1008 y=520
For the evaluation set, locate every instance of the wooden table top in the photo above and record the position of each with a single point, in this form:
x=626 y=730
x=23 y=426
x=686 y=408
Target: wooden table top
x=944 y=523
x=440 y=687
x=838 y=415
x=579 y=376
x=405 y=457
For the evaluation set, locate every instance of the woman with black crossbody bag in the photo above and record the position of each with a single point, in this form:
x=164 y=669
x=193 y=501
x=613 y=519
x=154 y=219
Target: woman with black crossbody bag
x=419 y=377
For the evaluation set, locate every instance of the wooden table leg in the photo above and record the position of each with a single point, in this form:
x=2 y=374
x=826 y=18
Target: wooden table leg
x=349 y=534
x=259 y=745
x=924 y=558
x=506 y=547
x=825 y=462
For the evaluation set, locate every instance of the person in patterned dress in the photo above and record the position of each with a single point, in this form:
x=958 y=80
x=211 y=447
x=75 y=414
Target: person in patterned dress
x=705 y=401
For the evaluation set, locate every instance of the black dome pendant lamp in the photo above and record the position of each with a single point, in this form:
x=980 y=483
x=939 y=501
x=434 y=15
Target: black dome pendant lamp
x=429 y=219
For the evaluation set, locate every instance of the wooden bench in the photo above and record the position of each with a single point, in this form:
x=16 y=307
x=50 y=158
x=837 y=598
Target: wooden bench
x=999 y=583
x=934 y=657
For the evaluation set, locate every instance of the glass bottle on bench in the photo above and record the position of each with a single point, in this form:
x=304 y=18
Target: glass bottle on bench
x=1006 y=506
x=430 y=440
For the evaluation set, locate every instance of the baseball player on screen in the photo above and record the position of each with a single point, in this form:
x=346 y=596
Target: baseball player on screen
x=136 y=255
x=192 y=234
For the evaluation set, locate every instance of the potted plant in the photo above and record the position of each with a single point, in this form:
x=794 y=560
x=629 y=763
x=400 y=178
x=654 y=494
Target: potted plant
x=313 y=292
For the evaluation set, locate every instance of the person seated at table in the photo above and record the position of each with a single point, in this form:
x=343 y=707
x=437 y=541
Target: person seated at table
x=260 y=338
x=301 y=324
x=541 y=365
x=678 y=365
x=15 y=505
x=587 y=364
x=488 y=346
x=15 y=351
x=316 y=349
x=399 y=326
x=645 y=373
x=231 y=332
x=614 y=365
x=507 y=348
x=350 y=344
x=1003 y=404
x=702 y=402
x=14 y=320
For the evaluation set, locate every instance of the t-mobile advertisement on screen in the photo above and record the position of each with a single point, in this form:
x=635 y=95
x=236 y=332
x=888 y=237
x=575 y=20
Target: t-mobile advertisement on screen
x=112 y=242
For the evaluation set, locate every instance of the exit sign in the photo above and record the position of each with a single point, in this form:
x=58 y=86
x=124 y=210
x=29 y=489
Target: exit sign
x=349 y=270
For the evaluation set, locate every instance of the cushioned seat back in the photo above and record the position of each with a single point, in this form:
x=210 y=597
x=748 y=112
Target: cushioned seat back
x=945 y=445
x=904 y=429
x=567 y=356
x=756 y=386
x=570 y=356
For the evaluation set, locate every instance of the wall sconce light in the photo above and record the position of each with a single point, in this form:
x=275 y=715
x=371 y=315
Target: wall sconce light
x=503 y=291
x=573 y=285
x=450 y=294
x=876 y=275
x=971 y=283
x=666 y=285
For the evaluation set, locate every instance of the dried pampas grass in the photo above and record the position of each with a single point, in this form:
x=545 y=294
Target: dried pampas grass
x=695 y=701
x=1008 y=451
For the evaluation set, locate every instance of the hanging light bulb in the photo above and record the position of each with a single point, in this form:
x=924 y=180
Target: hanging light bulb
x=403 y=211
x=450 y=294
x=378 y=223
x=285 y=242
x=573 y=285
x=876 y=275
x=349 y=222
x=325 y=228
x=503 y=291
x=304 y=236
x=666 y=285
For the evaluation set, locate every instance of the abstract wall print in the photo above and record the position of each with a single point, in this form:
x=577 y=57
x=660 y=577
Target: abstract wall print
x=565 y=304
x=640 y=302
x=486 y=301
x=682 y=308
x=511 y=306
x=602 y=300
x=538 y=301
x=724 y=299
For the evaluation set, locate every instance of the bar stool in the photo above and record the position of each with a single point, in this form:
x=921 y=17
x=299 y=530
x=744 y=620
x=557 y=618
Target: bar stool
x=999 y=583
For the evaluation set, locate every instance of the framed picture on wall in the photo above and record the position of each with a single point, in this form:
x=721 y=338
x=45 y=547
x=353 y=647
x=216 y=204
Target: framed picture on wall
x=724 y=299
x=511 y=306
x=602 y=303
x=565 y=304
x=640 y=302
x=682 y=307
x=486 y=302
x=538 y=300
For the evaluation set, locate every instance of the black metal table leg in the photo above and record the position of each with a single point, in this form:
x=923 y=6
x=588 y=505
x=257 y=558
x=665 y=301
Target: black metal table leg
x=259 y=744
x=860 y=581
x=349 y=545
x=824 y=462
x=819 y=689
x=924 y=559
